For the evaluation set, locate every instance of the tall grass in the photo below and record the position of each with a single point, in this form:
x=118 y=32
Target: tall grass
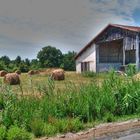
x=65 y=110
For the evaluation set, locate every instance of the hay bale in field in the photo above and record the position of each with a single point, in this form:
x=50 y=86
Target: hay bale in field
x=58 y=74
x=12 y=79
x=136 y=76
x=18 y=72
x=47 y=71
x=33 y=72
x=3 y=73
x=36 y=72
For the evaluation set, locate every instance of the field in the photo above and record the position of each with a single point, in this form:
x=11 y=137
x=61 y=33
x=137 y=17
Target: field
x=30 y=84
x=43 y=107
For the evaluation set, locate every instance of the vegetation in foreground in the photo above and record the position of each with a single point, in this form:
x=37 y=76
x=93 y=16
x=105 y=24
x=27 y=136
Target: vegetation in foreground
x=68 y=110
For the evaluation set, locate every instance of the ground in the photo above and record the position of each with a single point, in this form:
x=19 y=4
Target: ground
x=29 y=84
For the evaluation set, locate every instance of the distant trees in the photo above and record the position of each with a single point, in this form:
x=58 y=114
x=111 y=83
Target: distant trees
x=68 y=61
x=18 y=60
x=50 y=57
x=5 y=59
x=47 y=57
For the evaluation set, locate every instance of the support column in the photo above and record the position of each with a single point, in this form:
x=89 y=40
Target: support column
x=124 y=51
x=97 y=56
x=137 y=52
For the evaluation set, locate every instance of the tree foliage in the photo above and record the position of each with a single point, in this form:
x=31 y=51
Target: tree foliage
x=69 y=61
x=18 y=60
x=50 y=57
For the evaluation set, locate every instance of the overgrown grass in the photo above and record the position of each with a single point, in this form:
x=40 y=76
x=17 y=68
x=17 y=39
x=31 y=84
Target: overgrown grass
x=68 y=110
x=89 y=74
x=131 y=69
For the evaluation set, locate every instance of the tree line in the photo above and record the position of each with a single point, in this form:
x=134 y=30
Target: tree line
x=47 y=57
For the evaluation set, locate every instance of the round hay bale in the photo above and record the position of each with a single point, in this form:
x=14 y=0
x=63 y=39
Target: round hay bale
x=33 y=72
x=136 y=77
x=12 y=79
x=58 y=74
x=3 y=73
x=36 y=72
x=18 y=72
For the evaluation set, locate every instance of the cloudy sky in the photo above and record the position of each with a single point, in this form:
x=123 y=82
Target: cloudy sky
x=28 y=25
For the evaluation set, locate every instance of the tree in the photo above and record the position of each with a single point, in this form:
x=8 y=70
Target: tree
x=68 y=61
x=35 y=64
x=27 y=62
x=23 y=67
x=18 y=60
x=5 y=59
x=50 y=57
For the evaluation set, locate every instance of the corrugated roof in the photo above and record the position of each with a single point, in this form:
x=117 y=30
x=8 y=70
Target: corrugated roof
x=125 y=27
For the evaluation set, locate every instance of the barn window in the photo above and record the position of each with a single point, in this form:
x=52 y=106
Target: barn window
x=85 y=66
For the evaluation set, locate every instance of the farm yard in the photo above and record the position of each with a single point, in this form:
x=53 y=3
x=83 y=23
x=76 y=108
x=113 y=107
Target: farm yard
x=41 y=107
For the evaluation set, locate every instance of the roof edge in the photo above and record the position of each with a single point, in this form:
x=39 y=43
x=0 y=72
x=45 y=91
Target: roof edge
x=125 y=27
x=91 y=42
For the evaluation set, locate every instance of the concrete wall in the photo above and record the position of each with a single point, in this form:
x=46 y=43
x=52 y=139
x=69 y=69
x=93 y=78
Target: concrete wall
x=101 y=67
x=88 y=56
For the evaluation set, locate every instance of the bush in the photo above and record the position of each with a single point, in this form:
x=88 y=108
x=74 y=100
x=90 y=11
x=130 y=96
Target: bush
x=16 y=133
x=2 y=132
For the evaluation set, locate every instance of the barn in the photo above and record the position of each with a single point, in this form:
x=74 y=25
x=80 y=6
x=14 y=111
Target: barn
x=114 y=47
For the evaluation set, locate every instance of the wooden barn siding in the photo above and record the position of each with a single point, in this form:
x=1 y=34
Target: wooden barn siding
x=113 y=35
x=111 y=52
x=117 y=34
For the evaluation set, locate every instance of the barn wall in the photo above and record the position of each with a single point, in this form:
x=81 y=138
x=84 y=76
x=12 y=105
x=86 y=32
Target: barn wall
x=111 y=52
x=88 y=56
x=109 y=55
x=107 y=66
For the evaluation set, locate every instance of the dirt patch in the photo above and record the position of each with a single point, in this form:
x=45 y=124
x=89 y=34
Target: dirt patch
x=99 y=131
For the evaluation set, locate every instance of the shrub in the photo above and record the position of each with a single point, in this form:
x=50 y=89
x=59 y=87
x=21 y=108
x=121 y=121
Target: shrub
x=2 y=132
x=16 y=133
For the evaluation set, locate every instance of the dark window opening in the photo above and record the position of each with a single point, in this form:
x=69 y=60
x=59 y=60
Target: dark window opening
x=85 y=66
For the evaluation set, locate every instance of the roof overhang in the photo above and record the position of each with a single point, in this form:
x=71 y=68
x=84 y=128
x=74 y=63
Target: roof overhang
x=124 y=27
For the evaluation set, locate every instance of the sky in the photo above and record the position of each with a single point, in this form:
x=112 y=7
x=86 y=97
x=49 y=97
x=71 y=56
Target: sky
x=28 y=25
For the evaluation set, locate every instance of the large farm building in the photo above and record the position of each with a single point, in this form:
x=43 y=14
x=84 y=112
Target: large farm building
x=115 y=46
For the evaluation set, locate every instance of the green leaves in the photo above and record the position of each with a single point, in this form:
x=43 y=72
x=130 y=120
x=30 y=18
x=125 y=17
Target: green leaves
x=50 y=57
